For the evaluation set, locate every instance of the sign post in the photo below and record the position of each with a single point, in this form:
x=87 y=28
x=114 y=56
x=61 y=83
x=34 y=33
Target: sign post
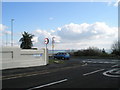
x=46 y=41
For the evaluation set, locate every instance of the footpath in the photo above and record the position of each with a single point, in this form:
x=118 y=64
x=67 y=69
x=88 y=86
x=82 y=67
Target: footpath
x=22 y=72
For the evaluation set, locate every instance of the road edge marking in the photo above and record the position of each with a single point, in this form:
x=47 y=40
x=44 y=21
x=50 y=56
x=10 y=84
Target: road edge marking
x=115 y=65
x=93 y=72
x=60 y=81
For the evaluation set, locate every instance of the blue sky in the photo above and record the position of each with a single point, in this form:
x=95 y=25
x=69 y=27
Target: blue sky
x=48 y=18
x=36 y=15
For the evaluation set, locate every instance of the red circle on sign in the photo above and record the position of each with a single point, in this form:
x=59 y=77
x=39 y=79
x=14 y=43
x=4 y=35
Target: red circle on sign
x=46 y=40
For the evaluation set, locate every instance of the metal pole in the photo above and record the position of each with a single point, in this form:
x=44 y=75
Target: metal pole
x=53 y=45
x=46 y=46
x=46 y=55
x=12 y=32
x=6 y=39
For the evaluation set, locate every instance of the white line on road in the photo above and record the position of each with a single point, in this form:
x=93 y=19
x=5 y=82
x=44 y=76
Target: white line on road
x=48 y=84
x=116 y=60
x=114 y=65
x=84 y=64
x=93 y=72
x=109 y=73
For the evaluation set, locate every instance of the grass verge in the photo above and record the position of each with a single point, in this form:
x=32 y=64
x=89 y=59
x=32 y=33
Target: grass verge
x=56 y=61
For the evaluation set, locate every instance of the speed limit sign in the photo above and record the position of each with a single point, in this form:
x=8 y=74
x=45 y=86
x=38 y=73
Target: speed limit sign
x=46 y=40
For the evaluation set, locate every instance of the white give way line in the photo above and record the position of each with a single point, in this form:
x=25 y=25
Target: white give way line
x=48 y=84
x=93 y=72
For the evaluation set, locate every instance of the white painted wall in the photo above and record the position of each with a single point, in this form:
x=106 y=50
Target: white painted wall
x=14 y=57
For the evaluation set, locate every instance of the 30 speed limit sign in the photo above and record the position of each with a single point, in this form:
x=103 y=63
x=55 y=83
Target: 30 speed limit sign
x=46 y=40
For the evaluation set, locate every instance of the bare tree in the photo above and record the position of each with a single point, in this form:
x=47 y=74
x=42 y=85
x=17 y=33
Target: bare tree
x=116 y=48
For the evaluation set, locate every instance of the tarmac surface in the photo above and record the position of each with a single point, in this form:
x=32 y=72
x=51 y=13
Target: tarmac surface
x=73 y=73
x=49 y=67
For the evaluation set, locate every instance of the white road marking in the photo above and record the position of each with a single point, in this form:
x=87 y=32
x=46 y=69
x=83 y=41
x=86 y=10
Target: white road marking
x=93 y=72
x=110 y=71
x=83 y=61
x=89 y=61
x=114 y=65
x=116 y=60
x=84 y=64
x=106 y=62
x=99 y=62
x=48 y=84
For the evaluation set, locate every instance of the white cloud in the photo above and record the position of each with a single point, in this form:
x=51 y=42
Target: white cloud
x=113 y=3
x=3 y=27
x=3 y=30
x=42 y=34
x=35 y=40
x=96 y=34
x=116 y=3
x=86 y=31
x=78 y=36
x=7 y=32
x=52 y=31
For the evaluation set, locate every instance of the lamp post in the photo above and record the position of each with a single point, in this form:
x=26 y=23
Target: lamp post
x=6 y=37
x=12 y=32
x=53 y=45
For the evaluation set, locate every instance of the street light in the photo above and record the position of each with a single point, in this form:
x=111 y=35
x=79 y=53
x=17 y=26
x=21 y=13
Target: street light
x=6 y=37
x=53 y=45
x=12 y=32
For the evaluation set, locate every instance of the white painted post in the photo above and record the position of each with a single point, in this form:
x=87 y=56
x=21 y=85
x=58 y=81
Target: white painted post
x=46 y=56
x=46 y=51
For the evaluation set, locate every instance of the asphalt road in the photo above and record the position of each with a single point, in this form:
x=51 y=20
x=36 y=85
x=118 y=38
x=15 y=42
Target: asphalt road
x=93 y=74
